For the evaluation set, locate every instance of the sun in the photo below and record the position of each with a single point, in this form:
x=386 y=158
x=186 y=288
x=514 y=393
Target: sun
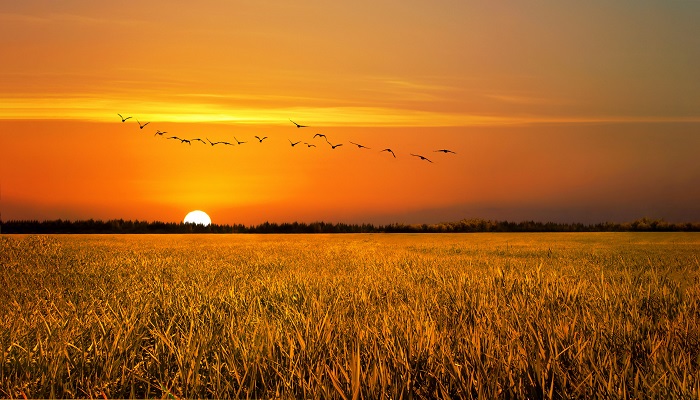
x=197 y=217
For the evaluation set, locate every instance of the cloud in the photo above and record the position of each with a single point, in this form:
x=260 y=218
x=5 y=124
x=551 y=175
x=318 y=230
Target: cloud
x=214 y=108
x=63 y=18
x=525 y=99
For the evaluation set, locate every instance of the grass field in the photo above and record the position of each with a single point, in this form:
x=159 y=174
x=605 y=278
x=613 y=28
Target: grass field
x=351 y=316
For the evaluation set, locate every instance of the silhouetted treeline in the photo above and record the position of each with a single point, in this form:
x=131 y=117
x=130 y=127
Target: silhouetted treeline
x=471 y=225
x=111 y=226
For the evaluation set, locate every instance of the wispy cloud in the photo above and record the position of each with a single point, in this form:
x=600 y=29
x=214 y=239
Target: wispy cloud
x=62 y=18
x=524 y=99
x=391 y=88
x=101 y=109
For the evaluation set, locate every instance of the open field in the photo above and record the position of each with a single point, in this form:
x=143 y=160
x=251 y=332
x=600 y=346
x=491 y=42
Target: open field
x=351 y=316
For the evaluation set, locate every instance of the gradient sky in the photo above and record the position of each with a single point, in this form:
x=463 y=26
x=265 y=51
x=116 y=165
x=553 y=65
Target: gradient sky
x=558 y=111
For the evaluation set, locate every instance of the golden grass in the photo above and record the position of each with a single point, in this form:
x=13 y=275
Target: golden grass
x=351 y=316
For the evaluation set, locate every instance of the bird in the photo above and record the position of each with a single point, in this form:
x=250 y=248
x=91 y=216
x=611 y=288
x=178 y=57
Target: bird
x=238 y=141
x=261 y=140
x=142 y=126
x=123 y=119
x=299 y=126
x=198 y=139
x=294 y=143
x=181 y=140
x=445 y=151
x=359 y=146
x=309 y=145
x=159 y=132
x=320 y=135
x=333 y=146
x=215 y=143
x=389 y=150
x=421 y=157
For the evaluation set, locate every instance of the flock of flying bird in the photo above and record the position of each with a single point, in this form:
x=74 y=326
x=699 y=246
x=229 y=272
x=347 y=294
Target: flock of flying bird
x=260 y=139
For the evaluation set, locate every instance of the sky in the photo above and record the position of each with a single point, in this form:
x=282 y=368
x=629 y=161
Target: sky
x=555 y=111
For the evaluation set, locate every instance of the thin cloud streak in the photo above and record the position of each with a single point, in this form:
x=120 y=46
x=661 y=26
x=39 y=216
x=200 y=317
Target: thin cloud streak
x=525 y=99
x=64 y=18
x=101 y=109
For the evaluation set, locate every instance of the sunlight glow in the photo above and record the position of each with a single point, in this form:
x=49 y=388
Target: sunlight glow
x=99 y=110
x=197 y=217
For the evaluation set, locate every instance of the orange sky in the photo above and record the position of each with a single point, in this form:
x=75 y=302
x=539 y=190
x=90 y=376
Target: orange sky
x=563 y=112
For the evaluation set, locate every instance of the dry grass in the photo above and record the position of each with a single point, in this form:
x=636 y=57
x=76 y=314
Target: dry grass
x=351 y=316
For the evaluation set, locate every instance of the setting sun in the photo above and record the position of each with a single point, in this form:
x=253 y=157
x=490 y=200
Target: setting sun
x=197 y=217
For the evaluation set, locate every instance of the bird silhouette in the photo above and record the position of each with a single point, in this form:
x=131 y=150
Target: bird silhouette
x=159 y=132
x=299 y=126
x=359 y=146
x=445 y=151
x=333 y=146
x=238 y=141
x=309 y=145
x=421 y=157
x=181 y=140
x=215 y=143
x=260 y=140
x=142 y=126
x=123 y=119
x=389 y=150
x=198 y=139
x=294 y=143
x=320 y=135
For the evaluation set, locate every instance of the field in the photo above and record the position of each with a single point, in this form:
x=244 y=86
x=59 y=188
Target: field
x=351 y=316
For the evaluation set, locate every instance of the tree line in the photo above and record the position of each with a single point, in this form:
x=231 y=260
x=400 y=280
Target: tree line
x=115 y=226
